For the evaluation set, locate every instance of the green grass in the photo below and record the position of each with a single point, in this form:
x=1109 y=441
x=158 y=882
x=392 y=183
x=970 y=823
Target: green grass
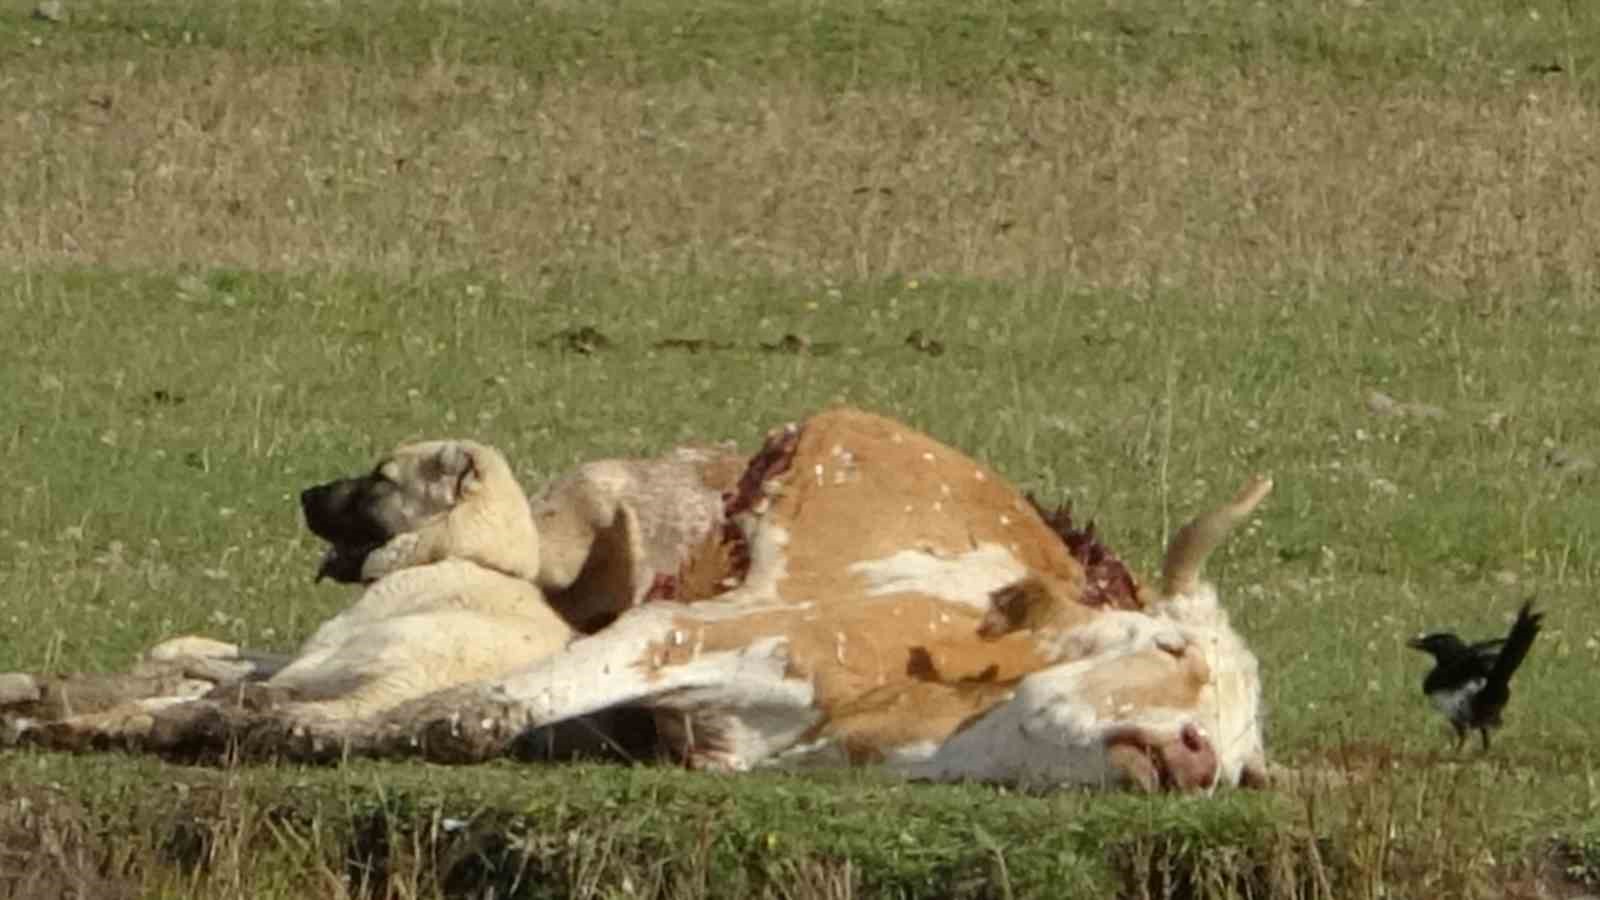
x=854 y=44
x=247 y=246
x=200 y=404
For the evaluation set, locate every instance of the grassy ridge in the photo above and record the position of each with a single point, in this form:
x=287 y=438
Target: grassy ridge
x=151 y=830
x=589 y=829
x=1156 y=246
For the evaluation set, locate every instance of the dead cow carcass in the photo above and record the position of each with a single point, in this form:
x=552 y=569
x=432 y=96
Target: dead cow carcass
x=880 y=598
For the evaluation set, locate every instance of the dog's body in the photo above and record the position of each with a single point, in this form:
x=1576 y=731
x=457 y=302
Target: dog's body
x=418 y=630
x=443 y=537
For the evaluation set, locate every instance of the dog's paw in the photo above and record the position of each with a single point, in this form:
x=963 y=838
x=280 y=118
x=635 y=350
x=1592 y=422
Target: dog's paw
x=14 y=730
x=401 y=552
x=191 y=645
x=17 y=688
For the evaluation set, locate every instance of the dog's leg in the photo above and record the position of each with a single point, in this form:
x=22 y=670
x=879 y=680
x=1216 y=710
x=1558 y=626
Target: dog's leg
x=211 y=660
x=82 y=710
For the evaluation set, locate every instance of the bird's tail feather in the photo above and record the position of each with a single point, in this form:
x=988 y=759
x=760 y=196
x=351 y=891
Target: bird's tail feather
x=1516 y=645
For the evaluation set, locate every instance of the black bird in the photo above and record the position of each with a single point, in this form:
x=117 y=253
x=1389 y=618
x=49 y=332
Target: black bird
x=1470 y=683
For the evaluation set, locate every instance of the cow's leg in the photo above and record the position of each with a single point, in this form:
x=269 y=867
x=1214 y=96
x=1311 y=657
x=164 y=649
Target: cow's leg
x=651 y=656
x=89 y=703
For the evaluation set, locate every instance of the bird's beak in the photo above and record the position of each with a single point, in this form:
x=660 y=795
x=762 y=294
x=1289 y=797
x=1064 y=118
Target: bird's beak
x=1415 y=644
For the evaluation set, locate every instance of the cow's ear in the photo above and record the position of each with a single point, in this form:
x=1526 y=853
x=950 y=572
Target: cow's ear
x=1255 y=774
x=1016 y=606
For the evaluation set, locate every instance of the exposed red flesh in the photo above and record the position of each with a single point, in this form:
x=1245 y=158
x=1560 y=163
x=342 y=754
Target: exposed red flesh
x=772 y=460
x=1107 y=581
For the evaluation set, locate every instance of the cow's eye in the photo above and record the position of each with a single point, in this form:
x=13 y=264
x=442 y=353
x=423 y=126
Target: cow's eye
x=1174 y=644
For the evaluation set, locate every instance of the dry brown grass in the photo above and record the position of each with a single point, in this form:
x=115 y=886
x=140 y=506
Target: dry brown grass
x=1207 y=182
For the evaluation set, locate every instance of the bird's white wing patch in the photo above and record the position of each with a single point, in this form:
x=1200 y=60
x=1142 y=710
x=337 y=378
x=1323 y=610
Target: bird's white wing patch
x=1455 y=703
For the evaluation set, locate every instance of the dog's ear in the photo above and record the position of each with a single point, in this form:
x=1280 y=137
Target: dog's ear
x=491 y=522
x=457 y=465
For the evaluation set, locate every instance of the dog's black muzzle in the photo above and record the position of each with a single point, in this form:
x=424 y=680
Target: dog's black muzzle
x=339 y=512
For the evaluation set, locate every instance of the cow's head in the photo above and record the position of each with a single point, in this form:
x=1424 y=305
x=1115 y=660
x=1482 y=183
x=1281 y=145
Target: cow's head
x=1230 y=706
x=1167 y=697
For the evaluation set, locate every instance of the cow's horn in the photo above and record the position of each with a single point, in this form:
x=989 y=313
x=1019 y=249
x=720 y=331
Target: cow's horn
x=1194 y=542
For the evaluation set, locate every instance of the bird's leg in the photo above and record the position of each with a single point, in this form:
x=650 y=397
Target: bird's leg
x=1485 y=733
x=1461 y=735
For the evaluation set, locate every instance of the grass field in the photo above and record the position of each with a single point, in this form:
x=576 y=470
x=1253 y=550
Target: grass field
x=246 y=246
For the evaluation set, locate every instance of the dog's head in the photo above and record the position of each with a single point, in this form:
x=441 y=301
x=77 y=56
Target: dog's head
x=424 y=503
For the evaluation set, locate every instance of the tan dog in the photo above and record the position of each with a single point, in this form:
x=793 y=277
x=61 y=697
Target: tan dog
x=444 y=538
